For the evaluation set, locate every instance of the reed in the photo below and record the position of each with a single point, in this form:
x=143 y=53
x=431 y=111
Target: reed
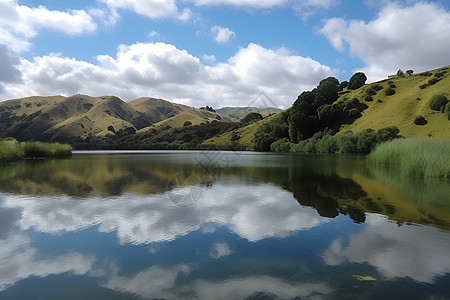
x=415 y=157
x=11 y=150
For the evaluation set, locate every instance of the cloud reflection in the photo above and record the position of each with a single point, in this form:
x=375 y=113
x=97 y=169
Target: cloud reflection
x=159 y=282
x=254 y=213
x=19 y=260
x=418 y=252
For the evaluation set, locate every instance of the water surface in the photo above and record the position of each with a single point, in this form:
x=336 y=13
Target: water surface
x=220 y=225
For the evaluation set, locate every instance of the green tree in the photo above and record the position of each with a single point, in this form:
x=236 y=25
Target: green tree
x=252 y=117
x=438 y=101
x=357 y=81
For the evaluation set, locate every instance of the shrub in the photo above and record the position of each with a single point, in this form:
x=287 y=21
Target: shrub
x=438 y=74
x=282 y=145
x=400 y=73
x=234 y=137
x=438 y=101
x=187 y=123
x=370 y=91
x=377 y=87
x=447 y=111
x=425 y=74
x=423 y=86
x=433 y=81
x=390 y=91
x=368 y=98
x=420 y=120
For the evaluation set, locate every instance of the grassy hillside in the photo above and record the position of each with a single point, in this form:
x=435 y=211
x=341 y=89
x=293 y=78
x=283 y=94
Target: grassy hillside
x=401 y=109
x=59 y=118
x=411 y=98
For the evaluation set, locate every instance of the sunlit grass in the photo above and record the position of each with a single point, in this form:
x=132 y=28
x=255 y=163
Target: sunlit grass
x=415 y=157
x=11 y=150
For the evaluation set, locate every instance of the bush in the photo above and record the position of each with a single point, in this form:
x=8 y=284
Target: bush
x=39 y=149
x=433 y=81
x=423 y=86
x=438 y=101
x=282 y=145
x=370 y=91
x=425 y=74
x=187 y=123
x=368 y=98
x=420 y=120
x=377 y=87
x=439 y=75
x=390 y=91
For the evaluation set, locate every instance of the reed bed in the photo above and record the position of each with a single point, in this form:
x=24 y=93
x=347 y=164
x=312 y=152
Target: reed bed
x=11 y=150
x=414 y=157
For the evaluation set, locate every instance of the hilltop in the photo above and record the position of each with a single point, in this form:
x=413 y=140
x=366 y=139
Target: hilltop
x=241 y=112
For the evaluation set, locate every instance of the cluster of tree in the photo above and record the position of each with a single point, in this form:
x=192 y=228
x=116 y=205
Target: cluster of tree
x=348 y=142
x=164 y=137
x=208 y=108
x=313 y=111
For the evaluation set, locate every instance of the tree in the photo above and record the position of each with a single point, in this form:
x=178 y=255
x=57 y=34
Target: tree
x=409 y=72
x=357 y=81
x=437 y=102
x=400 y=73
x=251 y=117
x=111 y=128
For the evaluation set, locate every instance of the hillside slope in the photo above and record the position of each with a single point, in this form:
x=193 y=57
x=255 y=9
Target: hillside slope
x=411 y=98
x=59 y=118
x=401 y=109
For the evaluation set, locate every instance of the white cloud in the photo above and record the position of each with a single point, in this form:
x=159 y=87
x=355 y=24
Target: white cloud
x=20 y=23
x=222 y=35
x=395 y=251
x=303 y=6
x=153 y=9
x=408 y=37
x=161 y=70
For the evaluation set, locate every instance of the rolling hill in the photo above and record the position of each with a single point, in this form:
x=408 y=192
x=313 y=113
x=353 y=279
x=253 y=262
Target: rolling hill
x=50 y=118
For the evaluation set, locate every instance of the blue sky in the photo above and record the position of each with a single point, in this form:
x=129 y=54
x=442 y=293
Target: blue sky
x=217 y=53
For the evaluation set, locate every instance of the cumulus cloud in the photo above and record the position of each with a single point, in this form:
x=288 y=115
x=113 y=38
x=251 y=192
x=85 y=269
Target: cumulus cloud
x=164 y=71
x=222 y=35
x=408 y=37
x=395 y=251
x=20 y=23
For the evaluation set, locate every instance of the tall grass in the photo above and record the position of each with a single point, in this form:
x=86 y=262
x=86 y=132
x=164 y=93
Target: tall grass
x=415 y=157
x=11 y=150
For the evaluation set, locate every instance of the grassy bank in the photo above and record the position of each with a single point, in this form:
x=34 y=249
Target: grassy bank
x=415 y=157
x=11 y=150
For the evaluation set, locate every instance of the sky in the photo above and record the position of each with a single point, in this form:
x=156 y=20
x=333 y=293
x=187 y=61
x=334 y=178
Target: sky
x=213 y=52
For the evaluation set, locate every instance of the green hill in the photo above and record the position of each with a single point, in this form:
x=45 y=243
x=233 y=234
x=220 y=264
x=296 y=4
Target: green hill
x=61 y=118
x=373 y=108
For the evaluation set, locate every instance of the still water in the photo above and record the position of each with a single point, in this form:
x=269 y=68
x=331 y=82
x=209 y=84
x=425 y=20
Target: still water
x=220 y=225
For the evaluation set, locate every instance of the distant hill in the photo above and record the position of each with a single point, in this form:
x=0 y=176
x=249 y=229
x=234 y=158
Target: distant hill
x=51 y=118
x=241 y=112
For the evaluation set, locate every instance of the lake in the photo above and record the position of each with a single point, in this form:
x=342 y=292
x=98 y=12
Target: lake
x=220 y=225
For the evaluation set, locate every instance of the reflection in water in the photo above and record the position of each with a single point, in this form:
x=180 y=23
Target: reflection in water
x=262 y=226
